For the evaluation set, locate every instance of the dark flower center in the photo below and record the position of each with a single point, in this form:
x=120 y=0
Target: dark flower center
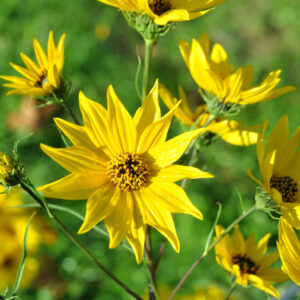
x=7 y=262
x=245 y=263
x=128 y=171
x=159 y=6
x=286 y=186
x=42 y=80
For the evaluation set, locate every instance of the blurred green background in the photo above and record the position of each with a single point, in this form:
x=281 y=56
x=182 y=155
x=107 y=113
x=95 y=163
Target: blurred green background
x=101 y=50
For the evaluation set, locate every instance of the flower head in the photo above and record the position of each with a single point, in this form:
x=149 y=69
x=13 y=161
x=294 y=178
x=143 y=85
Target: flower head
x=247 y=260
x=124 y=167
x=41 y=79
x=165 y=11
x=289 y=250
x=279 y=163
x=231 y=131
x=213 y=73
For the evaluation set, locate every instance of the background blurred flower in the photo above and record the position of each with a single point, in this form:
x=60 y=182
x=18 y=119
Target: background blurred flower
x=279 y=163
x=245 y=259
x=124 y=167
x=289 y=250
x=13 y=222
x=42 y=79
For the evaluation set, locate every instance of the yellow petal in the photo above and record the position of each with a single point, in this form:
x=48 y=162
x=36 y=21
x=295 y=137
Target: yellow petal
x=74 y=186
x=29 y=63
x=156 y=133
x=99 y=205
x=173 y=198
x=26 y=73
x=76 y=159
x=121 y=126
x=136 y=239
x=60 y=53
x=118 y=222
x=238 y=241
x=51 y=48
x=53 y=76
x=149 y=112
x=40 y=55
x=173 y=149
x=161 y=220
x=263 y=285
x=177 y=172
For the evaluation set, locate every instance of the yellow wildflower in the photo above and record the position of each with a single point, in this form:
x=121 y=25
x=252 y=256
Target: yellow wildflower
x=213 y=73
x=42 y=79
x=124 y=167
x=245 y=259
x=279 y=163
x=231 y=131
x=289 y=250
x=8 y=175
x=165 y=11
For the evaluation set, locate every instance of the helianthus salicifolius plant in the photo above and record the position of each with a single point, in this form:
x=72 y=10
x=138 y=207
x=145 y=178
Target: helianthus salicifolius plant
x=165 y=11
x=43 y=78
x=124 y=167
x=231 y=131
x=225 y=89
x=247 y=261
x=279 y=163
x=289 y=249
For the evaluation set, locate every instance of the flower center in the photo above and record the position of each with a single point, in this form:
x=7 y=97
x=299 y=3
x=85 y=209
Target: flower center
x=245 y=263
x=7 y=262
x=42 y=80
x=286 y=186
x=128 y=171
x=159 y=6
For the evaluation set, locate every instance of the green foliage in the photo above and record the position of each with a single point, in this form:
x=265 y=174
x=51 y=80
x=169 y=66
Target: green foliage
x=263 y=33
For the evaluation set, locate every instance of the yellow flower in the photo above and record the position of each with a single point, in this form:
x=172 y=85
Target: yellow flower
x=8 y=175
x=165 y=11
x=13 y=222
x=124 y=167
x=279 y=163
x=213 y=73
x=231 y=131
x=289 y=250
x=245 y=259
x=42 y=79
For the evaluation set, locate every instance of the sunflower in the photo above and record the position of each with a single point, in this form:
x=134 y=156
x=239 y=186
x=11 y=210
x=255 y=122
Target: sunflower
x=279 y=164
x=213 y=73
x=231 y=131
x=42 y=79
x=289 y=250
x=124 y=167
x=245 y=259
x=165 y=11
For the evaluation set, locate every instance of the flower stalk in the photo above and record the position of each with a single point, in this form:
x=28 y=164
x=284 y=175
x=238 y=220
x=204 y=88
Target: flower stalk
x=149 y=43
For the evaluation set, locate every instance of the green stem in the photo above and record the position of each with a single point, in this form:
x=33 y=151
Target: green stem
x=33 y=193
x=150 y=265
x=231 y=290
x=211 y=247
x=68 y=108
x=147 y=66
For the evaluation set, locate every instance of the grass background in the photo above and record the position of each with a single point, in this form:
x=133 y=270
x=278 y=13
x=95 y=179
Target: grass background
x=262 y=33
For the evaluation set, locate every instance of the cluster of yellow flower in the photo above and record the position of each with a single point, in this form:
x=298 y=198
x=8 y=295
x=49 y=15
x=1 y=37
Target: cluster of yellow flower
x=126 y=169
